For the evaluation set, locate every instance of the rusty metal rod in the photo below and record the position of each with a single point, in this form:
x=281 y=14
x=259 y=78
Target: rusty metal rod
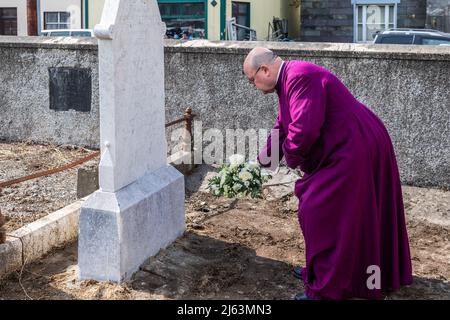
x=187 y=118
x=174 y=122
x=51 y=171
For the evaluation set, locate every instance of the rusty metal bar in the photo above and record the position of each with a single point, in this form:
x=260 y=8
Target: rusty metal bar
x=187 y=118
x=174 y=122
x=51 y=171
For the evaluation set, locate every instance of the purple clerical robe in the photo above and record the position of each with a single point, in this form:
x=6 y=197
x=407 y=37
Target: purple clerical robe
x=350 y=199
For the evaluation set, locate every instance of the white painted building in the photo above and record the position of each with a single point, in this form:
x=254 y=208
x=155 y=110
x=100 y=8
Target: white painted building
x=13 y=17
x=16 y=16
x=60 y=14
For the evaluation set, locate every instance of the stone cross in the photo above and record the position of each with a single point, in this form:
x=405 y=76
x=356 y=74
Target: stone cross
x=139 y=208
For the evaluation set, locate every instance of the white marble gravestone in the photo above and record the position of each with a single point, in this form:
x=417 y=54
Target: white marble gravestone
x=139 y=208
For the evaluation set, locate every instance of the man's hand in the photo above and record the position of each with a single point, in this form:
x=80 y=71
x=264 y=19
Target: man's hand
x=273 y=168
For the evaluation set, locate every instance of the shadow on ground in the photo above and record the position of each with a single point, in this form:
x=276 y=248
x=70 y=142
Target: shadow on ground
x=199 y=267
x=194 y=267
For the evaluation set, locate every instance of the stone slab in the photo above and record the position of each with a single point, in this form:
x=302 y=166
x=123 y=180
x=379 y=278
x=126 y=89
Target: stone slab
x=119 y=231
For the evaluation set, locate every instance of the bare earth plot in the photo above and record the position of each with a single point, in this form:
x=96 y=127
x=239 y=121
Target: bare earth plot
x=31 y=200
x=239 y=249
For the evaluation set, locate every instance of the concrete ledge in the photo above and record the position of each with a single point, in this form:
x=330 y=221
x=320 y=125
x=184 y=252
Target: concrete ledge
x=304 y=49
x=10 y=256
x=36 y=239
x=49 y=43
x=315 y=49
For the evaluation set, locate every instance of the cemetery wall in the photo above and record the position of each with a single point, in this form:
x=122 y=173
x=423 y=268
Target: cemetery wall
x=49 y=92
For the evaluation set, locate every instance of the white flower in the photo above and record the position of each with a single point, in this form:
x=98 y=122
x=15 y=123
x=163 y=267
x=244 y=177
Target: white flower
x=236 y=160
x=236 y=187
x=253 y=165
x=245 y=176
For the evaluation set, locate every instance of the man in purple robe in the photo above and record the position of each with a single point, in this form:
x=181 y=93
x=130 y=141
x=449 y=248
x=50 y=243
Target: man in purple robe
x=350 y=199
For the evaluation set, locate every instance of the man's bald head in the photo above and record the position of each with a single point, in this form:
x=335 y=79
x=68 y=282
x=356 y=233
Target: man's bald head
x=259 y=56
x=261 y=68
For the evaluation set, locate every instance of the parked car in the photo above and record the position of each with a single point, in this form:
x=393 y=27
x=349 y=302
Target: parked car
x=412 y=36
x=68 y=33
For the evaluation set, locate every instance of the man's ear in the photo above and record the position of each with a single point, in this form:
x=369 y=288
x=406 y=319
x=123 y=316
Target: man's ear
x=265 y=68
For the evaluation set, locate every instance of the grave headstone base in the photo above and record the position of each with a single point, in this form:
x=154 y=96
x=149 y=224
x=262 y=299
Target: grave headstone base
x=118 y=231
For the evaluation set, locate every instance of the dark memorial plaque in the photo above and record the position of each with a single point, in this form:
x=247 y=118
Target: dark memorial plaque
x=70 y=89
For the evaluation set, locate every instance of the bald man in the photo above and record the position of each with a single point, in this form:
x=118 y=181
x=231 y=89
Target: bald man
x=350 y=199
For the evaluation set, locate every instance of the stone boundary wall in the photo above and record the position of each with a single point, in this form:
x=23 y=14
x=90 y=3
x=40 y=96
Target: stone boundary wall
x=407 y=86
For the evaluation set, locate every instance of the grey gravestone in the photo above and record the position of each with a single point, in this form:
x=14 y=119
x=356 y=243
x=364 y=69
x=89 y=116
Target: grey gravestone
x=87 y=181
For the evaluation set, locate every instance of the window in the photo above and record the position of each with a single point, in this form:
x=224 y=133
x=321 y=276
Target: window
x=241 y=11
x=8 y=21
x=431 y=41
x=184 y=18
x=397 y=39
x=56 y=20
x=372 y=16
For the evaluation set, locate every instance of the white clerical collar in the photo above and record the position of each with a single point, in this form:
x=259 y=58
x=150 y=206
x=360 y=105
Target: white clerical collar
x=279 y=71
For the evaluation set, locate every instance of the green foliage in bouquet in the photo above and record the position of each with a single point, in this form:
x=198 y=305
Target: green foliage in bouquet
x=238 y=179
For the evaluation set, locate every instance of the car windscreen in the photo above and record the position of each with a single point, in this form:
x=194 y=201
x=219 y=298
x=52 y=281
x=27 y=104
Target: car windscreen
x=434 y=41
x=397 y=39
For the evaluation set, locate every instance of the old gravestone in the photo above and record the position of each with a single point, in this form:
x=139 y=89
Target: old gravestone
x=70 y=89
x=139 y=208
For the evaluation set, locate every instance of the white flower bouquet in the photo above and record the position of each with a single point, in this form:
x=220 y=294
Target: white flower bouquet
x=238 y=179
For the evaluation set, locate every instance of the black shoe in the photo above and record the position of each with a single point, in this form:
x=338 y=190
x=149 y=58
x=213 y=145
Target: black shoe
x=297 y=271
x=301 y=296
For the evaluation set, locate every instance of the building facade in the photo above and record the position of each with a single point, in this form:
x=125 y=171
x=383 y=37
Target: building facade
x=30 y=17
x=13 y=17
x=438 y=15
x=208 y=18
x=61 y=14
x=357 y=20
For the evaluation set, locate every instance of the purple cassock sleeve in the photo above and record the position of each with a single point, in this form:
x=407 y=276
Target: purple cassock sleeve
x=306 y=98
x=265 y=156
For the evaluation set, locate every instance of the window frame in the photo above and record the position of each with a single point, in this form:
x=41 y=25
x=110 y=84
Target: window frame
x=247 y=13
x=187 y=17
x=365 y=3
x=59 y=23
x=14 y=19
x=247 y=16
